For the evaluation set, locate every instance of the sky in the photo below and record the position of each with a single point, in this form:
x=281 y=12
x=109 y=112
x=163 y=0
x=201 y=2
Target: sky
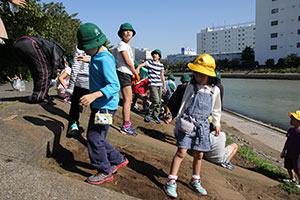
x=167 y=25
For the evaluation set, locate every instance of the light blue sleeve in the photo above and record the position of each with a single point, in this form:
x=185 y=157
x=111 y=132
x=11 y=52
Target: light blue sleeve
x=112 y=85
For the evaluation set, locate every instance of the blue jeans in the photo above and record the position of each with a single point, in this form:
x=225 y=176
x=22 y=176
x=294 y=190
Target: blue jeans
x=102 y=154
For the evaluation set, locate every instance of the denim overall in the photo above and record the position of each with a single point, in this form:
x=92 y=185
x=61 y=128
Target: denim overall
x=200 y=110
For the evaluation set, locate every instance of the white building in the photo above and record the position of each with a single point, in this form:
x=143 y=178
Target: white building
x=142 y=54
x=277 y=29
x=227 y=39
x=186 y=55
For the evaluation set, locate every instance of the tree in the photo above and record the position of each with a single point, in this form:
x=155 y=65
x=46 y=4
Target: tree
x=292 y=60
x=270 y=63
x=247 y=59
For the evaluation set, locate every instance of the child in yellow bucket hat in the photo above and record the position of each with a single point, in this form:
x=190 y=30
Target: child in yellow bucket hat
x=291 y=149
x=201 y=99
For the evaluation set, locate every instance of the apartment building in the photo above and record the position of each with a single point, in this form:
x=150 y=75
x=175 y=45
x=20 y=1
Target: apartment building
x=277 y=29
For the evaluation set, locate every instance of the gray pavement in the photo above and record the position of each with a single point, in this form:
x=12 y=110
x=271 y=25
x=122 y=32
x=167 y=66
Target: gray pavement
x=270 y=136
x=29 y=133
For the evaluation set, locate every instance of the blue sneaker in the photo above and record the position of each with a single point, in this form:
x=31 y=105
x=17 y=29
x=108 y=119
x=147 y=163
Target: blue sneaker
x=227 y=164
x=157 y=120
x=170 y=188
x=128 y=131
x=73 y=130
x=196 y=186
x=147 y=118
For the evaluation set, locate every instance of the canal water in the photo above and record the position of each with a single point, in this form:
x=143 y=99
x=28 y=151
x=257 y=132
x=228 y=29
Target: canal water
x=265 y=100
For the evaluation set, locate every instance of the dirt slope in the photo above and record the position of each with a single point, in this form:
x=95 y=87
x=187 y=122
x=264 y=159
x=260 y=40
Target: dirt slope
x=150 y=156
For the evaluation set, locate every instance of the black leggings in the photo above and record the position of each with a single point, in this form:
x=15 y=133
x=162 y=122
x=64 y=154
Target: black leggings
x=75 y=108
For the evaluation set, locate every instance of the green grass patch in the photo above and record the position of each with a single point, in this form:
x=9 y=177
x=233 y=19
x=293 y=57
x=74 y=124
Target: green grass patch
x=266 y=168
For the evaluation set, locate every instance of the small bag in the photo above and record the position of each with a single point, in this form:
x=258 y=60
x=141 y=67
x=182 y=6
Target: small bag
x=186 y=124
x=103 y=118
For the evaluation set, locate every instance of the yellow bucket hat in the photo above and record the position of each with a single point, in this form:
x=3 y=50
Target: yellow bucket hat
x=296 y=115
x=204 y=64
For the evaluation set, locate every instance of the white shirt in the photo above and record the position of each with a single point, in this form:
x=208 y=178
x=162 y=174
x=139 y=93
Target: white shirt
x=217 y=152
x=121 y=65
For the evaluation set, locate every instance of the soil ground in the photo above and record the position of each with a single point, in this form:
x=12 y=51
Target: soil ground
x=150 y=155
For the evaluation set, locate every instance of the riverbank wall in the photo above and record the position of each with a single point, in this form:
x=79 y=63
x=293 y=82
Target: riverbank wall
x=245 y=75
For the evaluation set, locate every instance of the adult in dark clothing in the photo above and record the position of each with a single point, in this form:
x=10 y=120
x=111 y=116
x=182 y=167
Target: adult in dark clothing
x=43 y=57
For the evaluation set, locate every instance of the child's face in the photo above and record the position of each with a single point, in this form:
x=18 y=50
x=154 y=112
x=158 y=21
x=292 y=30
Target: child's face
x=127 y=35
x=294 y=122
x=202 y=79
x=155 y=56
x=91 y=52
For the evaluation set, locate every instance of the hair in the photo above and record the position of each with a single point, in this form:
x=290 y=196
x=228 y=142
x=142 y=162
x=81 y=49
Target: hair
x=211 y=80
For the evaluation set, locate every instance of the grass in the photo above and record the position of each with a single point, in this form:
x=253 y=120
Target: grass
x=265 y=167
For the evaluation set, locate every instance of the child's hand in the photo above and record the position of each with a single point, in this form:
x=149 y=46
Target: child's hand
x=87 y=99
x=83 y=58
x=218 y=130
x=282 y=154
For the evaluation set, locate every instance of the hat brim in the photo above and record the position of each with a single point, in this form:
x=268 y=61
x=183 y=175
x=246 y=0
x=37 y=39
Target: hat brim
x=294 y=115
x=201 y=69
x=92 y=44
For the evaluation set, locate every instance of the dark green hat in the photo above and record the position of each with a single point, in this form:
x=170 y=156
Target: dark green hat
x=136 y=63
x=126 y=26
x=172 y=86
x=218 y=74
x=90 y=36
x=185 y=78
x=156 y=51
x=172 y=77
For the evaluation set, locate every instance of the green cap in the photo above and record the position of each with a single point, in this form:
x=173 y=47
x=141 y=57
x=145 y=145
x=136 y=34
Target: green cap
x=156 y=51
x=172 y=86
x=90 y=36
x=218 y=74
x=172 y=77
x=125 y=26
x=136 y=63
x=185 y=78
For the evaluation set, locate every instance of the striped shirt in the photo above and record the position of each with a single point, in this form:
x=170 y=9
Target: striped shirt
x=154 y=72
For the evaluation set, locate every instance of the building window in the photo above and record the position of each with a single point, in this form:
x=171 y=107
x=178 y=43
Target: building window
x=274 y=35
x=298 y=45
x=298 y=31
x=298 y=18
x=274 y=0
x=274 y=23
x=275 y=10
x=273 y=47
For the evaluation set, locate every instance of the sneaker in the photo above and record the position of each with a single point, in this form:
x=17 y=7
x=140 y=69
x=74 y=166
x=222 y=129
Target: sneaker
x=73 y=129
x=135 y=107
x=67 y=99
x=100 y=178
x=168 y=121
x=114 y=168
x=128 y=131
x=170 y=188
x=227 y=164
x=289 y=180
x=297 y=185
x=147 y=118
x=196 y=186
x=157 y=120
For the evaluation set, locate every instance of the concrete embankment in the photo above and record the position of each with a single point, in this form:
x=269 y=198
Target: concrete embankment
x=245 y=75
